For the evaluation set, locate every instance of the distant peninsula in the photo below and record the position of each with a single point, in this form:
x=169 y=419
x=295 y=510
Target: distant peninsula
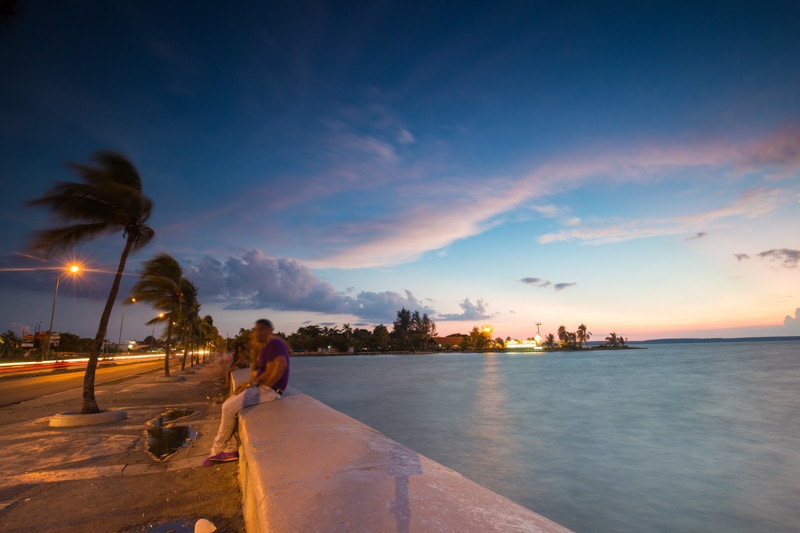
x=717 y=339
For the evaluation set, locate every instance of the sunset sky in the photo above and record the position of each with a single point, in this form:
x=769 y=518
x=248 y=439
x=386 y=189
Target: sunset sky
x=632 y=166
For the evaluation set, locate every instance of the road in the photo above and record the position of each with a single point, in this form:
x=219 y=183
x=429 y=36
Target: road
x=16 y=389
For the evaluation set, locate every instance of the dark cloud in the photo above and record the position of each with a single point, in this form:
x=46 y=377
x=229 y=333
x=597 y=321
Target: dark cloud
x=562 y=286
x=789 y=258
x=543 y=283
x=698 y=235
x=536 y=282
x=255 y=281
x=476 y=311
x=741 y=257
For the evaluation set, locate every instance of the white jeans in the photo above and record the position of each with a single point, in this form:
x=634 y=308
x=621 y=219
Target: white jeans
x=225 y=441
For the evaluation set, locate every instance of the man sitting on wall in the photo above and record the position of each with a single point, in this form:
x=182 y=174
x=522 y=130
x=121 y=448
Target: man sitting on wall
x=267 y=384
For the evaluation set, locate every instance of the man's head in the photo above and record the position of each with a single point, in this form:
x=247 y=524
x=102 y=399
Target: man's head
x=263 y=329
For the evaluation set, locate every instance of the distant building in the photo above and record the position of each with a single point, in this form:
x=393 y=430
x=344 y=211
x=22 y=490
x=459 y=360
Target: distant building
x=40 y=339
x=449 y=343
x=528 y=344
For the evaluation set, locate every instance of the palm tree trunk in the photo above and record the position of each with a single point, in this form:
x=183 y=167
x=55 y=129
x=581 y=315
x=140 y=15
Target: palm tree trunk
x=191 y=343
x=89 y=402
x=169 y=342
x=186 y=346
x=185 y=353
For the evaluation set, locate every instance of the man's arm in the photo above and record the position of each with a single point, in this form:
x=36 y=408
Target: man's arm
x=273 y=374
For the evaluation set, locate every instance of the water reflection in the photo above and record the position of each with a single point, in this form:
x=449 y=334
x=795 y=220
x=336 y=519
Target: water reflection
x=164 y=439
x=491 y=431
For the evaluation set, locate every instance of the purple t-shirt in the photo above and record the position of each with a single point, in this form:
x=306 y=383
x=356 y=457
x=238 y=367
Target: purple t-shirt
x=274 y=349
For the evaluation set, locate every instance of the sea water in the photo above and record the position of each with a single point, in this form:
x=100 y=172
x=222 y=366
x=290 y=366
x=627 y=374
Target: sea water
x=671 y=437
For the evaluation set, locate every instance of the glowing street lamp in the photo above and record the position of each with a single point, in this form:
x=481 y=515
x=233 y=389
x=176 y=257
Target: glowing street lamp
x=153 y=334
x=122 y=318
x=73 y=269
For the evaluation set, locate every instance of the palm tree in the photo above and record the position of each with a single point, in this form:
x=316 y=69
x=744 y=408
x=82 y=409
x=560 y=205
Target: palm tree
x=612 y=340
x=161 y=284
x=583 y=335
x=549 y=341
x=189 y=318
x=572 y=340
x=206 y=331
x=108 y=199
x=563 y=336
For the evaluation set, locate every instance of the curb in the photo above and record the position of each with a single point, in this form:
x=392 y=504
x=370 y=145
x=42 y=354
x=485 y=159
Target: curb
x=75 y=419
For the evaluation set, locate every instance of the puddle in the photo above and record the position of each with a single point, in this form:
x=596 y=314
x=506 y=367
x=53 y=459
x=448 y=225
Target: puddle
x=163 y=439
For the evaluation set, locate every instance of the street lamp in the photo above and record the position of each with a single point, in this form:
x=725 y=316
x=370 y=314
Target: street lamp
x=122 y=319
x=73 y=269
x=153 y=333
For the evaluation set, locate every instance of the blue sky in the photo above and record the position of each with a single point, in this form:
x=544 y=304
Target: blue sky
x=633 y=166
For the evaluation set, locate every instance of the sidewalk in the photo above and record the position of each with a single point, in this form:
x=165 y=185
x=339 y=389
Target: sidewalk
x=101 y=478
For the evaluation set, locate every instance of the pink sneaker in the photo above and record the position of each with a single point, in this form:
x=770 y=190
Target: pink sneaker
x=222 y=457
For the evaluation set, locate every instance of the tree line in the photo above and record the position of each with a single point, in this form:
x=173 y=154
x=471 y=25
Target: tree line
x=579 y=339
x=411 y=332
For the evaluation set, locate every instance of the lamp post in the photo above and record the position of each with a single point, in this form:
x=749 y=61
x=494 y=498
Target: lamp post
x=72 y=269
x=153 y=333
x=122 y=319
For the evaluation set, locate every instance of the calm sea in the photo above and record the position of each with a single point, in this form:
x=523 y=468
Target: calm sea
x=674 y=437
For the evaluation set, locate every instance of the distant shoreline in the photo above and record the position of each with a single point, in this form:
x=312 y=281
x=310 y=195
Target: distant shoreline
x=592 y=347
x=718 y=339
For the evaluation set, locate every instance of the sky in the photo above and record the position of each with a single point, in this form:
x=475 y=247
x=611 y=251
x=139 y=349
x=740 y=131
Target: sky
x=630 y=166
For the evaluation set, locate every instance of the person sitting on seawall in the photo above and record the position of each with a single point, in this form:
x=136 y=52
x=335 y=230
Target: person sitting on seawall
x=267 y=384
x=228 y=363
x=251 y=353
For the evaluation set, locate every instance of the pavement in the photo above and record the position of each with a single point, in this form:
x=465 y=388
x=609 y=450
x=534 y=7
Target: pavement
x=103 y=478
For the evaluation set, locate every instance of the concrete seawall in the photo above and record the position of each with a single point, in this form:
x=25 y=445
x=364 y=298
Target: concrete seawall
x=307 y=467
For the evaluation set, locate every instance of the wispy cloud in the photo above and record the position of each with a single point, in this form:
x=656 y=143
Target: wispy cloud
x=750 y=204
x=536 y=282
x=469 y=210
x=405 y=137
x=788 y=258
x=543 y=284
x=778 y=154
x=563 y=286
x=368 y=147
x=402 y=205
x=697 y=236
